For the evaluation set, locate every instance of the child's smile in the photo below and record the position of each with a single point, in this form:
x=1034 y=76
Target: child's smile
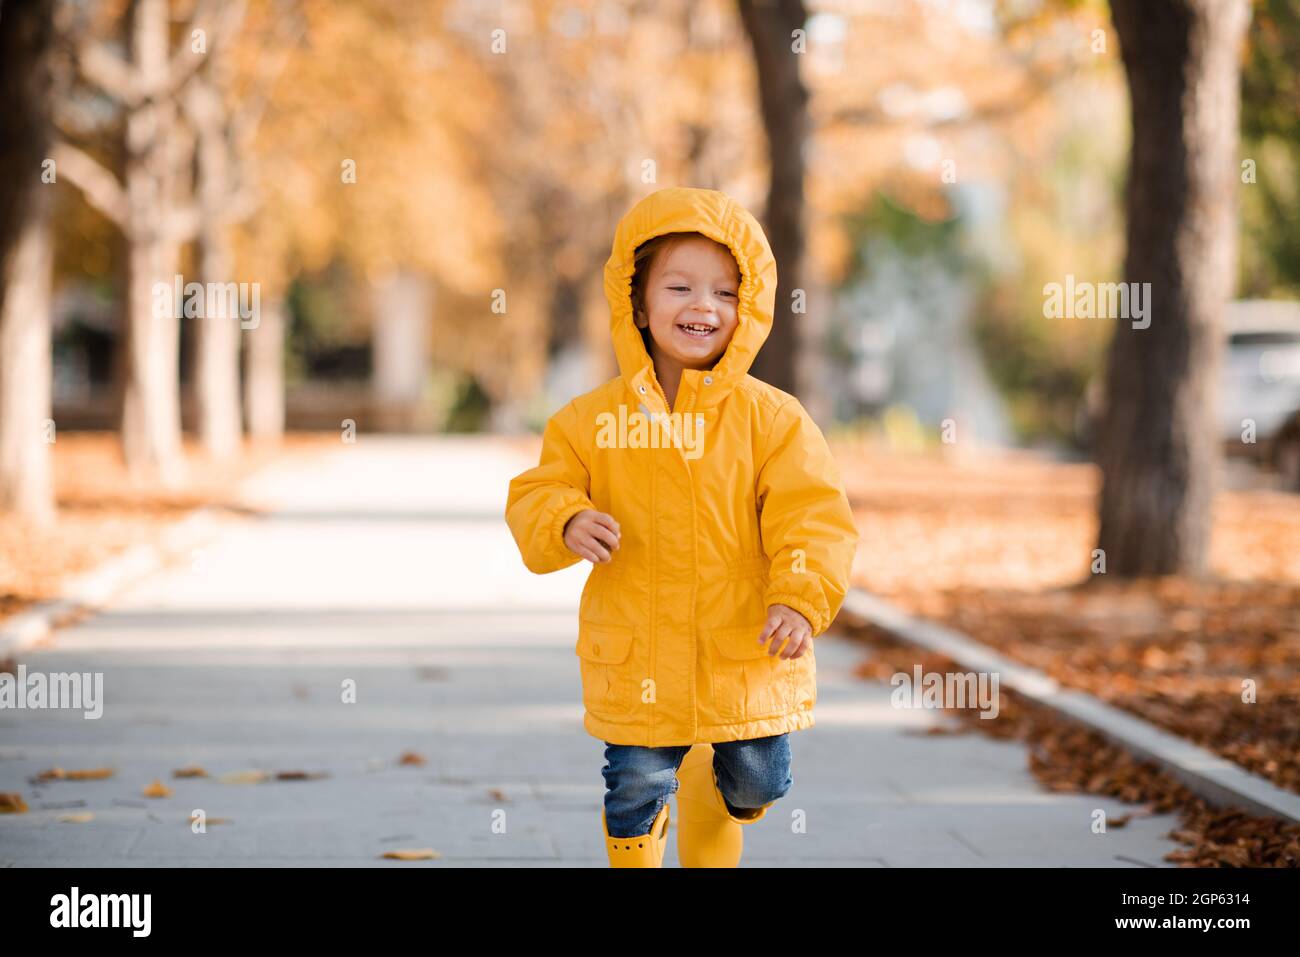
x=697 y=330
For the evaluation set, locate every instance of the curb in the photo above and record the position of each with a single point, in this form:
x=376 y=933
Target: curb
x=1219 y=781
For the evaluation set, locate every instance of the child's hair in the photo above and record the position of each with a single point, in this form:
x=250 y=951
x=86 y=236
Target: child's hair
x=643 y=259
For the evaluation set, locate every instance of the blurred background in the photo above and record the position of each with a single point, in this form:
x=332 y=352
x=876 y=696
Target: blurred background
x=413 y=203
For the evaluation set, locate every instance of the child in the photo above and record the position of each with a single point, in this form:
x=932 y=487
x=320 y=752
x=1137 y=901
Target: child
x=695 y=631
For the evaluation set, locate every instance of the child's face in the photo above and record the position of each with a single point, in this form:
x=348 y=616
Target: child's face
x=690 y=298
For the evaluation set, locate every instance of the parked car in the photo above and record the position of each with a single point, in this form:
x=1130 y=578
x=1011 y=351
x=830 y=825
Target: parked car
x=1259 y=383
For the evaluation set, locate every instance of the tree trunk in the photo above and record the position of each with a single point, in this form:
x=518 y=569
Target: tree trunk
x=26 y=487
x=784 y=102
x=216 y=359
x=400 y=352
x=151 y=419
x=1158 y=446
x=264 y=373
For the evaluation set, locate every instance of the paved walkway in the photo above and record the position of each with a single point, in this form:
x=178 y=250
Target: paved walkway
x=387 y=563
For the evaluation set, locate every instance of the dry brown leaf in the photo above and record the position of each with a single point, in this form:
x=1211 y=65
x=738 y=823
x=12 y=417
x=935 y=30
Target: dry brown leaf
x=243 y=777
x=89 y=774
x=411 y=757
x=12 y=803
x=190 y=771
x=413 y=854
x=157 y=789
x=79 y=818
x=300 y=775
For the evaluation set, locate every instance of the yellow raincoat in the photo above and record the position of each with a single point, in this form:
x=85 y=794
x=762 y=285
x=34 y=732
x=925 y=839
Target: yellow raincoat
x=732 y=507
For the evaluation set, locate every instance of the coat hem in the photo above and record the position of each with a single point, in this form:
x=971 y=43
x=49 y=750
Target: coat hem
x=638 y=734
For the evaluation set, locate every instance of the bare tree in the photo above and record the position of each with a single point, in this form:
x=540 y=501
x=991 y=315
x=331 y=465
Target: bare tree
x=226 y=121
x=147 y=206
x=1158 y=448
x=216 y=358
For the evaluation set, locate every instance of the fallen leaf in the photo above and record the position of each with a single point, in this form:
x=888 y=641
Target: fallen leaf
x=411 y=757
x=190 y=771
x=300 y=775
x=243 y=777
x=12 y=803
x=90 y=774
x=80 y=818
x=211 y=820
x=413 y=854
x=157 y=789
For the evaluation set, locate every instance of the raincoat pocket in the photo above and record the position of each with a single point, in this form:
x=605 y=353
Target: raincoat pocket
x=603 y=651
x=747 y=682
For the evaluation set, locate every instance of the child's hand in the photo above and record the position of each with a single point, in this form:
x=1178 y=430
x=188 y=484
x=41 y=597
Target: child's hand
x=784 y=622
x=591 y=534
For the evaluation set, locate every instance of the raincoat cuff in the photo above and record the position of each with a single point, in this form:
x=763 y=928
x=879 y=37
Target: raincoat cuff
x=556 y=539
x=803 y=607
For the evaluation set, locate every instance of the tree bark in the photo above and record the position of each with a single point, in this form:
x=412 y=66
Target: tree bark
x=26 y=485
x=784 y=103
x=1158 y=447
x=151 y=419
x=264 y=373
x=400 y=348
x=216 y=359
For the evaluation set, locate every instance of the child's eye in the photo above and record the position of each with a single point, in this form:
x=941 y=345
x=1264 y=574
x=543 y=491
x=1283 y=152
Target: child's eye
x=726 y=292
x=679 y=288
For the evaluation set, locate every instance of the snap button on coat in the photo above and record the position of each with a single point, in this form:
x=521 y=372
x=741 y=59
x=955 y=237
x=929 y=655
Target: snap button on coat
x=730 y=507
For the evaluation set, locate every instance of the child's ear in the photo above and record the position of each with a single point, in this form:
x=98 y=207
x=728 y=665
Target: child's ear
x=639 y=318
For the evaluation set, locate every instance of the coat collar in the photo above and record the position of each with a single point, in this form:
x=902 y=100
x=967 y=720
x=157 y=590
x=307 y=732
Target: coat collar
x=718 y=216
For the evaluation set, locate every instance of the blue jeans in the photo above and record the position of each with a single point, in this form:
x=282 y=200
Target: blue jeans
x=639 y=780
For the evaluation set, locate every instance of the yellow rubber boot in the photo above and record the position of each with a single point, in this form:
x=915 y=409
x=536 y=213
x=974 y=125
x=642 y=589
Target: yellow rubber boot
x=644 y=850
x=708 y=835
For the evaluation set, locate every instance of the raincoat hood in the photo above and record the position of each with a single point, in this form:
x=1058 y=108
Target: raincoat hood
x=719 y=217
